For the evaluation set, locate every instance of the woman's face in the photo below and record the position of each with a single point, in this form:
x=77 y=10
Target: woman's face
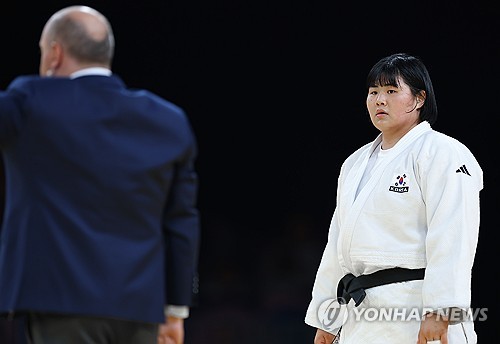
x=393 y=109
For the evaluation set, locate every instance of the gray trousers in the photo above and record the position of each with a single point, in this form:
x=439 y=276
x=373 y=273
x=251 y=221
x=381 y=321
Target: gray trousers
x=42 y=328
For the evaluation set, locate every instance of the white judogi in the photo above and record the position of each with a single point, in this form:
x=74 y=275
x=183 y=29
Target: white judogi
x=419 y=208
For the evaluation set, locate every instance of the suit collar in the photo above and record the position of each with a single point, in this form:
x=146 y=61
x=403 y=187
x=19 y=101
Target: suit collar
x=91 y=71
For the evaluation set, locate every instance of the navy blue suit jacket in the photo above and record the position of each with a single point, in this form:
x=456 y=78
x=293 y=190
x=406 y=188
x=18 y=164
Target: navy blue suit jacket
x=100 y=211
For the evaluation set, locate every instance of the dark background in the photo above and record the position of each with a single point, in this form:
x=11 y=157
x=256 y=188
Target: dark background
x=275 y=93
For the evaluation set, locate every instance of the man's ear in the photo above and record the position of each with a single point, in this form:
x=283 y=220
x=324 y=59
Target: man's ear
x=56 y=56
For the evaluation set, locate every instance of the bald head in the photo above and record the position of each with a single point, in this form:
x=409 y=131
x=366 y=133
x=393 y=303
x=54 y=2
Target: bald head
x=83 y=34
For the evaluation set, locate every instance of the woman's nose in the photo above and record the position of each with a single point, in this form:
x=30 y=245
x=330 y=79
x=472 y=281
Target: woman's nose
x=380 y=101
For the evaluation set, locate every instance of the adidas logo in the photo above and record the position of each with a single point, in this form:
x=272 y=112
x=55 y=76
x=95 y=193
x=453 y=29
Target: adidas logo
x=463 y=169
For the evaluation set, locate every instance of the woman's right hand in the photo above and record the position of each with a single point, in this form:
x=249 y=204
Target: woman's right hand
x=323 y=337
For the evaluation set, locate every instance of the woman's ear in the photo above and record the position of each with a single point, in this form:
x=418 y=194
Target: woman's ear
x=420 y=99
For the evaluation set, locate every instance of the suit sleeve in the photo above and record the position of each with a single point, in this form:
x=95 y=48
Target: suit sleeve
x=182 y=231
x=11 y=102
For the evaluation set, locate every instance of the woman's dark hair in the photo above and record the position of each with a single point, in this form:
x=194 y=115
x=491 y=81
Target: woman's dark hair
x=413 y=72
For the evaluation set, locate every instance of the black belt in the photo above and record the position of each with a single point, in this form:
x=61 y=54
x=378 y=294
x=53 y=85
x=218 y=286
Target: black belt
x=351 y=287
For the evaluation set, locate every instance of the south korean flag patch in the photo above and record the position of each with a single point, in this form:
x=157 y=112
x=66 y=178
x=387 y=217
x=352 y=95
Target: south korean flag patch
x=400 y=183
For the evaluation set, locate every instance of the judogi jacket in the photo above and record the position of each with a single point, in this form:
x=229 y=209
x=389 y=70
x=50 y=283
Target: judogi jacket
x=418 y=209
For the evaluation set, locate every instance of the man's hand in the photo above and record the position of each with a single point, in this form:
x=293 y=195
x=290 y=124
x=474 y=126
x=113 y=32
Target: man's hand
x=172 y=331
x=323 y=337
x=433 y=327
